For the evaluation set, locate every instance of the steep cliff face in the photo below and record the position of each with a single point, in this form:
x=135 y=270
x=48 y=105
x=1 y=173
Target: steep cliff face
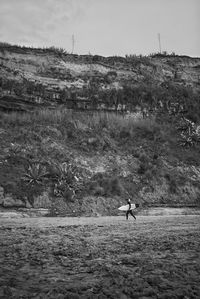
x=59 y=71
x=45 y=156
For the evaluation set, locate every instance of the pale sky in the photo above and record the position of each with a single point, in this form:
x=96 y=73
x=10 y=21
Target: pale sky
x=103 y=27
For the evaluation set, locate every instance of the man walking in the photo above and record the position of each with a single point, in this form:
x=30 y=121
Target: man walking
x=129 y=211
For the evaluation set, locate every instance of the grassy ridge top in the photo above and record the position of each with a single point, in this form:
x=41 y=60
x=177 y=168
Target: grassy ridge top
x=62 y=51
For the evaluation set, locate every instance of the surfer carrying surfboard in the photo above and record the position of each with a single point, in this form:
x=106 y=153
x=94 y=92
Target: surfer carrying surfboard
x=128 y=208
x=129 y=211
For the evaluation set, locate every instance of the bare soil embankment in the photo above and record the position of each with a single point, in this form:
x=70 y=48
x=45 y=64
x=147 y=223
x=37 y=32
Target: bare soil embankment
x=105 y=257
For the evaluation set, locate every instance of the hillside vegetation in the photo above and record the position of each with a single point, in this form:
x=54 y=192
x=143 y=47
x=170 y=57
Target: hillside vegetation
x=79 y=134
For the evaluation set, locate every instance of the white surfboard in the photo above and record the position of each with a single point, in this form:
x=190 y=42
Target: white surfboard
x=126 y=207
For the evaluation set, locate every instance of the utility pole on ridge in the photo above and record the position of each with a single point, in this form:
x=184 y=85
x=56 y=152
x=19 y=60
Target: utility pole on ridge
x=73 y=43
x=159 y=42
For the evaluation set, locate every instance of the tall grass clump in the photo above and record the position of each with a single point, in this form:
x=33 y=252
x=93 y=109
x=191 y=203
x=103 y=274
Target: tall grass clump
x=43 y=116
x=115 y=125
x=119 y=126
